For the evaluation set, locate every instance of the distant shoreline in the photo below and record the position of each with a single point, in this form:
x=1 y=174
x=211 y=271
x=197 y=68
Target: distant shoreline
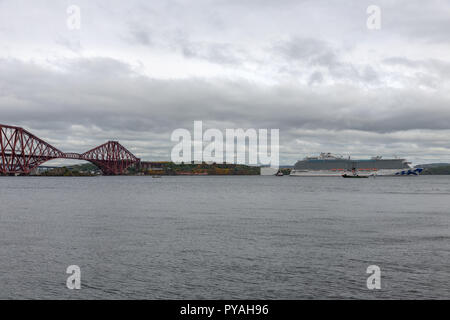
x=202 y=169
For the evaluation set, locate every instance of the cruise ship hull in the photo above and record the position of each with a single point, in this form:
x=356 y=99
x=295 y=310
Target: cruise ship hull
x=339 y=173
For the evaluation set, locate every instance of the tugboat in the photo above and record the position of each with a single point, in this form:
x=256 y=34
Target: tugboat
x=353 y=175
x=350 y=176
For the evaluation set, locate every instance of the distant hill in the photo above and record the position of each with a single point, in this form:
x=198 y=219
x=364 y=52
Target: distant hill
x=432 y=165
x=435 y=168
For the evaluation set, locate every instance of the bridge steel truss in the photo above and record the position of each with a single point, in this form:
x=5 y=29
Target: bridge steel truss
x=111 y=157
x=21 y=152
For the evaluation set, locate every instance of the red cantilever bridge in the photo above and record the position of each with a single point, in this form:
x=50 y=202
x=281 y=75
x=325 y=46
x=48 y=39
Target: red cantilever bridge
x=21 y=152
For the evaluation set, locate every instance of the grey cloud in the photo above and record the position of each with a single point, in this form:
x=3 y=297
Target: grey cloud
x=309 y=68
x=426 y=21
x=142 y=37
x=434 y=65
x=219 y=53
x=316 y=77
x=93 y=100
x=432 y=73
x=300 y=54
x=109 y=93
x=401 y=61
x=70 y=43
x=310 y=51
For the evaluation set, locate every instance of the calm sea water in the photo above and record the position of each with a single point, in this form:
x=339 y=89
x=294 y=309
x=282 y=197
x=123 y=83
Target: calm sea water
x=224 y=237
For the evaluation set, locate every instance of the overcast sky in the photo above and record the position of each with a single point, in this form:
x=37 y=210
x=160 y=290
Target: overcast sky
x=137 y=70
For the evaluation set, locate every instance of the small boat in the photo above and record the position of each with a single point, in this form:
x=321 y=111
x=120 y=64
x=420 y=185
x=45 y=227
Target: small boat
x=353 y=176
x=279 y=174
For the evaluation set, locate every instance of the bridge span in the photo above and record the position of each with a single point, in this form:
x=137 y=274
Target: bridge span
x=21 y=152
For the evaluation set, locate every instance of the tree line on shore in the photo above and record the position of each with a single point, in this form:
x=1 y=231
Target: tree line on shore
x=170 y=168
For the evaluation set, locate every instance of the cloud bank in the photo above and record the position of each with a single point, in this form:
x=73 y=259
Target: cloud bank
x=312 y=69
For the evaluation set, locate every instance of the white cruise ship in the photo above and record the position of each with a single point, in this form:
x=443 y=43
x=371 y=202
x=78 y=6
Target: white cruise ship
x=327 y=164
